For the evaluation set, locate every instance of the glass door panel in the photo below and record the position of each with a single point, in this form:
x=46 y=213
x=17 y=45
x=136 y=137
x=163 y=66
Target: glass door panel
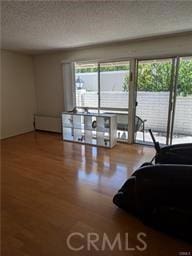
x=114 y=93
x=153 y=93
x=182 y=128
x=86 y=82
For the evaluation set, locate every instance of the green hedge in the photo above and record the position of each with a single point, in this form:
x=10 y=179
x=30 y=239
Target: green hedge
x=156 y=77
x=102 y=69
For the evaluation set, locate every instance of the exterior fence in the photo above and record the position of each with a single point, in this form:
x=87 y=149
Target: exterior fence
x=152 y=106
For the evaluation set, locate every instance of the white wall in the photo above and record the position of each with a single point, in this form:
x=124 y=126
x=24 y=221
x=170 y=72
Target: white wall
x=48 y=71
x=17 y=92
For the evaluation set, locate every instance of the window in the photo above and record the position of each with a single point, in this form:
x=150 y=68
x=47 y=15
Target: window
x=86 y=85
x=102 y=85
x=114 y=85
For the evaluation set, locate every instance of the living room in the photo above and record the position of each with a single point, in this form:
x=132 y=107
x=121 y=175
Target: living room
x=82 y=83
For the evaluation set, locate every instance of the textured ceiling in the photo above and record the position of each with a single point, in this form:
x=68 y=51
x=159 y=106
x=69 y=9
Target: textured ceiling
x=52 y=25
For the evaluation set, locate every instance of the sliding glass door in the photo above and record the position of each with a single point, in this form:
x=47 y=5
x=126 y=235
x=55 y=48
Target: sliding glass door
x=104 y=87
x=163 y=90
x=164 y=100
x=181 y=131
x=153 y=95
x=114 y=93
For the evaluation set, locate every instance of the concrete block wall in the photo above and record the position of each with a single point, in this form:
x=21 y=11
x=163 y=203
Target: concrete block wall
x=152 y=106
x=183 y=114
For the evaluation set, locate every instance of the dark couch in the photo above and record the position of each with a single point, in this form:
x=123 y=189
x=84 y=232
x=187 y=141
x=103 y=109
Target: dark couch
x=161 y=196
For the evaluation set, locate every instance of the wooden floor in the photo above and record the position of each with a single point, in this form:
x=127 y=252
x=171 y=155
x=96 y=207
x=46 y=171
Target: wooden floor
x=52 y=188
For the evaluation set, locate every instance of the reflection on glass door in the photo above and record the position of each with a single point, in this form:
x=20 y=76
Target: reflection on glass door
x=153 y=93
x=114 y=93
x=182 y=126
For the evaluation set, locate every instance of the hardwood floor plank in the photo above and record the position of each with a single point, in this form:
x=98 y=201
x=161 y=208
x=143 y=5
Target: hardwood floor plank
x=51 y=188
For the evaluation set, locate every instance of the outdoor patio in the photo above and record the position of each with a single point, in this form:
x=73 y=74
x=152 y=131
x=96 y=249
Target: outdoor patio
x=161 y=138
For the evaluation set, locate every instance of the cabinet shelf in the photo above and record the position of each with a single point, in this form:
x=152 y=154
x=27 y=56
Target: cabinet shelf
x=88 y=129
x=93 y=129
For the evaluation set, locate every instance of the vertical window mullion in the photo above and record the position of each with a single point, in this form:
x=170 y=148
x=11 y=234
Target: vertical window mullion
x=132 y=101
x=99 y=87
x=171 y=96
x=174 y=97
x=73 y=84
